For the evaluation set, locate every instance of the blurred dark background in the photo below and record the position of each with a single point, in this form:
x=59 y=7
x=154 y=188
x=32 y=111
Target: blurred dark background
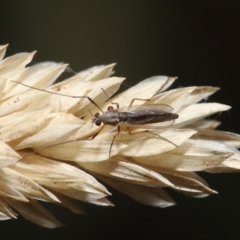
x=198 y=41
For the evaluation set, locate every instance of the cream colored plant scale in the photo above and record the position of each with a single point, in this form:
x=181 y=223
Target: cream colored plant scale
x=65 y=171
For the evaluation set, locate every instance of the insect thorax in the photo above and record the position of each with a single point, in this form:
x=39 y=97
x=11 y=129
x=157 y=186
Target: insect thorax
x=110 y=117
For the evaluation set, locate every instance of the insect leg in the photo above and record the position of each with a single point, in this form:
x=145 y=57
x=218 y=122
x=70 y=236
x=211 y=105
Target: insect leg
x=113 y=141
x=109 y=99
x=115 y=104
x=165 y=139
x=159 y=91
x=139 y=99
x=129 y=131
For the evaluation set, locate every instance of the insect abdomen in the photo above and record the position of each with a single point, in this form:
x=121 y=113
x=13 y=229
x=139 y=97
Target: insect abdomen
x=132 y=118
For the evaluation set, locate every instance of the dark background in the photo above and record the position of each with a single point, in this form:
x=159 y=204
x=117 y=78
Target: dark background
x=195 y=40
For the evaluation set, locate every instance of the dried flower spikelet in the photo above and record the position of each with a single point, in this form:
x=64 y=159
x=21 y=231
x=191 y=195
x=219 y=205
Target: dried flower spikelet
x=71 y=154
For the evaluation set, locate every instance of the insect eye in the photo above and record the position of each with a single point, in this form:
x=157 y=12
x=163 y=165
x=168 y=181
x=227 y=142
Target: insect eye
x=110 y=108
x=97 y=120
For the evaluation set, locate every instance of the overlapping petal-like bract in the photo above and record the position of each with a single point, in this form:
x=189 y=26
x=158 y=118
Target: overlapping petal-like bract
x=71 y=154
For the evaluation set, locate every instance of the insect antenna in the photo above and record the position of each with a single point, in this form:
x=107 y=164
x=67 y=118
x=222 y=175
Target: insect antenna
x=60 y=94
x=110 y=99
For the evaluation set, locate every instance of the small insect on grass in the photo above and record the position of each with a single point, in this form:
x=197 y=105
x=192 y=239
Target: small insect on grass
x=137 y=116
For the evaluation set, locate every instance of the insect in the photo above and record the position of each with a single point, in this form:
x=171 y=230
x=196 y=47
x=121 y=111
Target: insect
x=140 y=116
x=137 y=116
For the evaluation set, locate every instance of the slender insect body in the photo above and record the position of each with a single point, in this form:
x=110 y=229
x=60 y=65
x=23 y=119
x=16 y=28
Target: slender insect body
x=136 y=115
x=141 y=116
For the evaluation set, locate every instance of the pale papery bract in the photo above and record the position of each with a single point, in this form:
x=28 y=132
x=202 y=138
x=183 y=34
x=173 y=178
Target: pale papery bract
x=71 y=153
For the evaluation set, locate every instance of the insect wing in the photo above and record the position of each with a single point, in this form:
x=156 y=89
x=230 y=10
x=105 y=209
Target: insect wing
x=153 y=107
x=144 y=116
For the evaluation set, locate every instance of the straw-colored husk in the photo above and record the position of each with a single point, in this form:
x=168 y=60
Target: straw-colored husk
x=51 y=151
